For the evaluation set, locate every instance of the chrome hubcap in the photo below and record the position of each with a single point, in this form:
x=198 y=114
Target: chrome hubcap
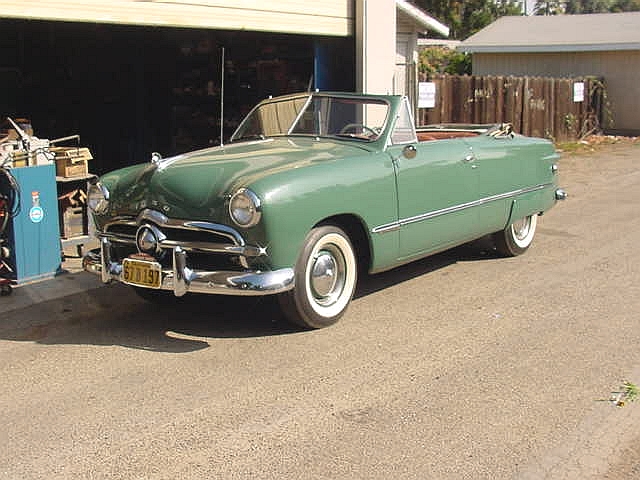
x=327 y=276
x=323 y=275
x=521 y=228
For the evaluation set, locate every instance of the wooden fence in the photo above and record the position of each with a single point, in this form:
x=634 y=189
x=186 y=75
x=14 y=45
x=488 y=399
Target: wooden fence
x=535 y=106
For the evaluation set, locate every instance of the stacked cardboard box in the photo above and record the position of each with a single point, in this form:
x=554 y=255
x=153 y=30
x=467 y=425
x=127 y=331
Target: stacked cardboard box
x=72 y=161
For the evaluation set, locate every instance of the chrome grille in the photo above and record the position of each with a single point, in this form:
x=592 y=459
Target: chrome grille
x=126 y=232
x=122 y=229
x=206 y=243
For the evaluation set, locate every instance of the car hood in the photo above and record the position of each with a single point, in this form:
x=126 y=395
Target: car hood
x=197 y=184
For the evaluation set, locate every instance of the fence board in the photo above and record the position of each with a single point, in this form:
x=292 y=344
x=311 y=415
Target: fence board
x=536 y=106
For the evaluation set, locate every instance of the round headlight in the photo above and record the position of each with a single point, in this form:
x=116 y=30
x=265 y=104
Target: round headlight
x=98 y=198
x=244 y=208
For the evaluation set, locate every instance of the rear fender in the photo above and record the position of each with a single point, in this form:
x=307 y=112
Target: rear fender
x=531 y=203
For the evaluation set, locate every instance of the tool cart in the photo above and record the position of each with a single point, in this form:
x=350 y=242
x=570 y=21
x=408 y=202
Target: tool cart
x=52 y=181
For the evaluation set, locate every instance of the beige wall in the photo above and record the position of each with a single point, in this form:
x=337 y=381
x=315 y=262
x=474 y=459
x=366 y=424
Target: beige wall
x=326 y=17
x=375 y=45
x=619 y=70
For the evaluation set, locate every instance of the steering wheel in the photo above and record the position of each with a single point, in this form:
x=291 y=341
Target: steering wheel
x=354 y=127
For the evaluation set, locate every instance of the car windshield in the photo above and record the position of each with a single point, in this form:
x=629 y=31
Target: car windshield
x=316 y=115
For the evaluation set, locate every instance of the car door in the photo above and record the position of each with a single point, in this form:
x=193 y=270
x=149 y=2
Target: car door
x=503 y=169
x=437 y=189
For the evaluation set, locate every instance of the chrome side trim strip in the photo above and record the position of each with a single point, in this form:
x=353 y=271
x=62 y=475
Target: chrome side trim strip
x=390 y=227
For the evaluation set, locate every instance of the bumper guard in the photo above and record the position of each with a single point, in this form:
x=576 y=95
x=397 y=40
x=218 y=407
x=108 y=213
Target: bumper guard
x=180 y=279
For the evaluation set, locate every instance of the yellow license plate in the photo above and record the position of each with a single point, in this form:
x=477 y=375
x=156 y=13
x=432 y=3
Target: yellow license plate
x=141 y=273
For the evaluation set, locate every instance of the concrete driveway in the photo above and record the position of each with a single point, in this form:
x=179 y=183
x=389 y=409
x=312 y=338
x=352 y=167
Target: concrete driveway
x=463 y=365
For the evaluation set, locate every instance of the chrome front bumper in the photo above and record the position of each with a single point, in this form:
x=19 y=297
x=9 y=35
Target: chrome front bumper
x=180 y=279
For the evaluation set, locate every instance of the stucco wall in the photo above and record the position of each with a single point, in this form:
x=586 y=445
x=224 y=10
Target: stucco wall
x=375 y=45
x=619 y=70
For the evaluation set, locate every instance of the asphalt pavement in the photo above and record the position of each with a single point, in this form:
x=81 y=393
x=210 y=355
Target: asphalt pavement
x=462 y=365
x=70 y=281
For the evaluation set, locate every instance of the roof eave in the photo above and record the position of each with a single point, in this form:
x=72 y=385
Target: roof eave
x=601 y=47
x=421 y=18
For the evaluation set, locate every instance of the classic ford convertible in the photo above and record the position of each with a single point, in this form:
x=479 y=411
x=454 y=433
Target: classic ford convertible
x=312 y=189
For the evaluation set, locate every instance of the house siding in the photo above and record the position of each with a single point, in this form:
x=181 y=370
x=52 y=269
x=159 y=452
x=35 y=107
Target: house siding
x=619 y=70
x=405 y=24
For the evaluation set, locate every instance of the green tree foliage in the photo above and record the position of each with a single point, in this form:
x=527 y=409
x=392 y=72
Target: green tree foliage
x=548 y=8
x=448 y=12
x=435 y=60
x=464 y=18
x=477 y=14
x=626 y=6
x=585 y=6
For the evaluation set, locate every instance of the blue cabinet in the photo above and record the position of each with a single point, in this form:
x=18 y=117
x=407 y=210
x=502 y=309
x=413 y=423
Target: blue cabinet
x=33 y=235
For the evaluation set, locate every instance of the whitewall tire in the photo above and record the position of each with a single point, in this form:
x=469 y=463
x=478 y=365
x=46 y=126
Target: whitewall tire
x=517 y=237
x=325 y=279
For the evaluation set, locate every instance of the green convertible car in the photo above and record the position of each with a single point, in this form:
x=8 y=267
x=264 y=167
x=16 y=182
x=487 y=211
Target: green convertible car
x=312 y=189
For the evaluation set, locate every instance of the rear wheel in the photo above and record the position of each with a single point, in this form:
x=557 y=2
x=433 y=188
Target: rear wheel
x=325 y=279
x=517 y=237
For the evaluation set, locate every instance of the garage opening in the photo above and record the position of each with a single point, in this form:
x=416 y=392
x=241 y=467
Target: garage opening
x=131 y=90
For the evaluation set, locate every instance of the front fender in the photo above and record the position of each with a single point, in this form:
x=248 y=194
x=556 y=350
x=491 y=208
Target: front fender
x=297 y=200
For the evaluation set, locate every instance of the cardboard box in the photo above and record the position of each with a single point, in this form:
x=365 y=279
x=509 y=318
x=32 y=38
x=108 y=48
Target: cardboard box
x=72 y=161
x=20 y=158
x=73 y=223
x=65 y=169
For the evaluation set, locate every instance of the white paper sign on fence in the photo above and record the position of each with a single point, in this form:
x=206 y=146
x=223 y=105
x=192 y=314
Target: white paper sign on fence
x=426 y=95
x=578 y=92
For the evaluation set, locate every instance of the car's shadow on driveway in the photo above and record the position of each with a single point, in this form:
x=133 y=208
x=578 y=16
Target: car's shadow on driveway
x=115 y=315
x=479 y=250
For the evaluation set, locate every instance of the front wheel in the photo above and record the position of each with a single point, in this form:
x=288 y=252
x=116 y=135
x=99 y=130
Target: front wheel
x=325 y=279
x=517 y=237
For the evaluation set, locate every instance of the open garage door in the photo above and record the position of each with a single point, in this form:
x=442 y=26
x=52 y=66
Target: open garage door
x=329 y=17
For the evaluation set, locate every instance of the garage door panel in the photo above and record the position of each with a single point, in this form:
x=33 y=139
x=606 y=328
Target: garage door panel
x=334 y=17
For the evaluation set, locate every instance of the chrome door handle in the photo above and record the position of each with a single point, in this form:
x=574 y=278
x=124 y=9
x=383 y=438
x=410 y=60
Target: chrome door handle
x=469 y=158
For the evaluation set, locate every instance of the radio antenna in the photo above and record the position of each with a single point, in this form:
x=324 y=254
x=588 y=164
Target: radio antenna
x=222 y=100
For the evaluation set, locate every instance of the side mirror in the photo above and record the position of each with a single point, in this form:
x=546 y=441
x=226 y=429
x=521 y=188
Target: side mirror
x=409 y=152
